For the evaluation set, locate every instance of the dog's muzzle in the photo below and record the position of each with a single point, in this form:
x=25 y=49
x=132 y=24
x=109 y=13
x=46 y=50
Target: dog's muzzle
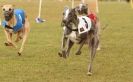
x=8 y=15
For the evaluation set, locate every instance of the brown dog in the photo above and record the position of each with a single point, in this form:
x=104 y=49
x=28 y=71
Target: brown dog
x=15 y=22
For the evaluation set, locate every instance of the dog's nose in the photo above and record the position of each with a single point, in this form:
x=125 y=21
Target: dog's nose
x=6 y=13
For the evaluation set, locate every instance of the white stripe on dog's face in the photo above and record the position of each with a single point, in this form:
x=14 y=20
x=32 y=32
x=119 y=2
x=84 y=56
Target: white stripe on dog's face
x=66 y=13
x=80 y=6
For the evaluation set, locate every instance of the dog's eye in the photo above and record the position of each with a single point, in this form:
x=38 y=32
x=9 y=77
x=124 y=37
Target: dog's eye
x=10 y=9
x=3 y=9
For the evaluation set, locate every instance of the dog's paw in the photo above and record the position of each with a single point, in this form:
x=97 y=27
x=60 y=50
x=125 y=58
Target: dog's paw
x=8 y=44
x=64 y=55
x=98 y=49
x=60 y=54
x=78 y=53
x=89 y=74
x=19 y=54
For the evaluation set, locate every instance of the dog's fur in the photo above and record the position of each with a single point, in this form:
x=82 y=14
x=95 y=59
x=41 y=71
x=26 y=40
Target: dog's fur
x=91 y=38
x=21 y=34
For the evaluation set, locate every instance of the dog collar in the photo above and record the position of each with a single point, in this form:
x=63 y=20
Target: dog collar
x=7 y=26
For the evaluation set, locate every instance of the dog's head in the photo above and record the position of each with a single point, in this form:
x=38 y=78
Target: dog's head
x=8 y=11
x=82 y=8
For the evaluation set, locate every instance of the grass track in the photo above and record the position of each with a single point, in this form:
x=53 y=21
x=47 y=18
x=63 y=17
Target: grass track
x=40 y=62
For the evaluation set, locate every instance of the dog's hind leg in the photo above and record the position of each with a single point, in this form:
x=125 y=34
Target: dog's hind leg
x=98 y=43
x=19 y=36
x=93 y=47
x=25 y=34
x=98 y=33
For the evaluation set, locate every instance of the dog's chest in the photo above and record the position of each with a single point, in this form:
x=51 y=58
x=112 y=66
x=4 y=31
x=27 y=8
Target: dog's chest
x=73 y=36
x=9 y=30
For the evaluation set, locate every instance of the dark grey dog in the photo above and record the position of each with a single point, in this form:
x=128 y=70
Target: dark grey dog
x=70 y=23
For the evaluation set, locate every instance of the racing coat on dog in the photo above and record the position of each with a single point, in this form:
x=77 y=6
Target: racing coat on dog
x=20 y=18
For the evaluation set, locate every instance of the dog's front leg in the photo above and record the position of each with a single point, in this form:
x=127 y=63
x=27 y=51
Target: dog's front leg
x=7 y=36
x=68 y=48
x=9 y=39
x=64 y=39
x=25 y=34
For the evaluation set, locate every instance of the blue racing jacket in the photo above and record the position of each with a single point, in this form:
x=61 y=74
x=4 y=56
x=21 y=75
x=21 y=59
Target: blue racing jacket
x=20 y=18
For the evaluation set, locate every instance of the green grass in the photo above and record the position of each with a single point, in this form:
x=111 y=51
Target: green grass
x=40 y=62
